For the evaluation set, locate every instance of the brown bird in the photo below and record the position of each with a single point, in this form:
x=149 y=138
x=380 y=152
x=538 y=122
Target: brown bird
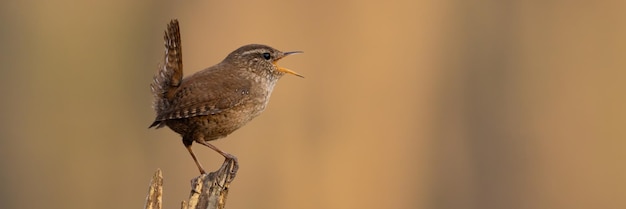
x=218 y=100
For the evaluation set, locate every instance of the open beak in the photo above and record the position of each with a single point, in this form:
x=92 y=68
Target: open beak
x=285 y=70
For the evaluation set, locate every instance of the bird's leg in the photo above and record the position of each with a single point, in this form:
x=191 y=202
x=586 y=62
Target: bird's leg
x=226 y=155
x=195 y=159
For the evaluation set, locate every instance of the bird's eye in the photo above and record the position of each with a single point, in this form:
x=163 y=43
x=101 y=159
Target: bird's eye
x=267 y=56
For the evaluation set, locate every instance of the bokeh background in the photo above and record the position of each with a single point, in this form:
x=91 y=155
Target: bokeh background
x=405 y=104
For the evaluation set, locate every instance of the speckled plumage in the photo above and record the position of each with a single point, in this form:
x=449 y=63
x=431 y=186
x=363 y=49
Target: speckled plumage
x=218 y=100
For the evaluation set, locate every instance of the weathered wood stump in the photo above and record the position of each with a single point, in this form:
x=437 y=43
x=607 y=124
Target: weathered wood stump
x=208 y=191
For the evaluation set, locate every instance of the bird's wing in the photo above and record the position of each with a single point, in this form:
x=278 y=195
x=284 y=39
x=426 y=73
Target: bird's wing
x=206 y=98
x=170 y=74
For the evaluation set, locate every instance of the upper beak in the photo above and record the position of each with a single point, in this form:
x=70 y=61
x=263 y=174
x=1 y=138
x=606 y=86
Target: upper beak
x=285 y=70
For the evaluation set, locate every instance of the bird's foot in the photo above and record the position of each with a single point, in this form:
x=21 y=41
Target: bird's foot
x=230 y=165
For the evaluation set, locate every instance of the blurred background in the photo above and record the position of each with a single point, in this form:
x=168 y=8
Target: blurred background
x=405 y=104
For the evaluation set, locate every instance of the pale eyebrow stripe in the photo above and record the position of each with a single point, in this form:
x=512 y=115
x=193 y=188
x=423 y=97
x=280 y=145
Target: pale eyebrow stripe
x=253 y=51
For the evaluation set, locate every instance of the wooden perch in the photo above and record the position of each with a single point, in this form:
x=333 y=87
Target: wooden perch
x=208 y=191
x=155 y=192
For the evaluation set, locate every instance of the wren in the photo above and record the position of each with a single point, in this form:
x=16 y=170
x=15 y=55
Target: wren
x=212 y=103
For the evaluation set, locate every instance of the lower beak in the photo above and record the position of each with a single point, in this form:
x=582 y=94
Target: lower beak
x=285 y=70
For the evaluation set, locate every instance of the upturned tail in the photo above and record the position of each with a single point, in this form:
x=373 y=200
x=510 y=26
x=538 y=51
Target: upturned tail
x=170 y=73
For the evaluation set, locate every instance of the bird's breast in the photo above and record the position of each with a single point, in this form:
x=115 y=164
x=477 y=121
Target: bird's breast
x=261 y=96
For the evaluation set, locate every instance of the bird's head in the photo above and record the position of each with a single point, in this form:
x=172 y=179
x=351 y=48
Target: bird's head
x=261 y=59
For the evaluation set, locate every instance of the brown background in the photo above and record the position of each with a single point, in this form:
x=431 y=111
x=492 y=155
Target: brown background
x=405 y=104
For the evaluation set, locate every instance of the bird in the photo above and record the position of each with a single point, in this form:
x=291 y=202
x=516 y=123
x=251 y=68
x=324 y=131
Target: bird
x=212 y=103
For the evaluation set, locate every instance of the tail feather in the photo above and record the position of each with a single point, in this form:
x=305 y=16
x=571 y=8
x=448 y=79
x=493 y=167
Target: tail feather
x=170 y=73
x=158 y=124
